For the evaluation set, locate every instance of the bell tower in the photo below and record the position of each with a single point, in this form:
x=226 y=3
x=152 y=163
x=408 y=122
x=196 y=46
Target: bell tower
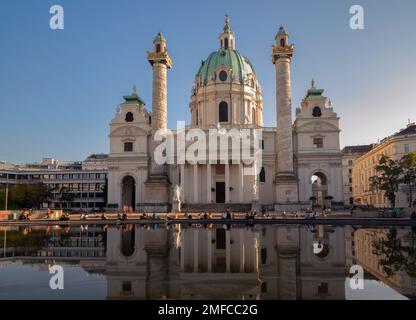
x=286 y=181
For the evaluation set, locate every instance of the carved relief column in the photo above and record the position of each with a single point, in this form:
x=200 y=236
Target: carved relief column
x=286 y=184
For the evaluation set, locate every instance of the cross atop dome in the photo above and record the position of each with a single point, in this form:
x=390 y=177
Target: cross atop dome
x=227 y=21
x=227 y=38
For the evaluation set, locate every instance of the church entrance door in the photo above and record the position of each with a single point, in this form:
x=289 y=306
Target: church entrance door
x=128 y=192
x=220 y=192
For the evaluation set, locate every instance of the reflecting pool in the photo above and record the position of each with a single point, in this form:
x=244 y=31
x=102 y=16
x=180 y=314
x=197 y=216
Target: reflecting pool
x=208 y=262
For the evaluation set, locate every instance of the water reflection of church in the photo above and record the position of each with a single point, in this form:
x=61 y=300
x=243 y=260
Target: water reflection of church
x=215 y=263
x=219 y=262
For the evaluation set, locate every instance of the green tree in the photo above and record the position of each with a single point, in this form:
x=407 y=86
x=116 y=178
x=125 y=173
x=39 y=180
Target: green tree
x=28 y=195
x=388 y=178
x=408 y=166
x=394 y=256
x=65 y=196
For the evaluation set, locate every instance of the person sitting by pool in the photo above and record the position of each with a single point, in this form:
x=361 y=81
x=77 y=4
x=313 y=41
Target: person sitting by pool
x=189 y=215
x=103 y=216
x=308 y=213
x=154 y=216
x=64 y=217
x=22 y=216
x=84 y=216
x=119 y=216
x=124 y=216
x=49 y=213
x=205 y=216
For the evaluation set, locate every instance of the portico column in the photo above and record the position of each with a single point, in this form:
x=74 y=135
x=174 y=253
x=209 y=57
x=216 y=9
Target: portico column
x=209 y=183
x=227 y=183
x=240 y=183
x=209 y=251
x=227 y=251
x=241 y=250
x=195 y=250
x=183 y=183
x=195 y=191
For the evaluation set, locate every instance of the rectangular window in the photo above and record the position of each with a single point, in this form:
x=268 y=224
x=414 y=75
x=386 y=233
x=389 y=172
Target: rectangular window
x=323 y=288
x=350 y=162
x=318 y=142
x=406 y=148
x=128 y=146
x=126 y=286
x=219 y=169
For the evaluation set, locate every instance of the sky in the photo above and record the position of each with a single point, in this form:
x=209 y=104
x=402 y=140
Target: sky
x=59 y=88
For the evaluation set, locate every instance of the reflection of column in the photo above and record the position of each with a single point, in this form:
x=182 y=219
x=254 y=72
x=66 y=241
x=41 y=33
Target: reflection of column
x=227 y=251
x=209 y=251
x=195 y=250
x=227 y=183
x=241 y=250
x=195 y=191
x=287 y=272
x=240 y=183
x=183 y=250
x=209 y=183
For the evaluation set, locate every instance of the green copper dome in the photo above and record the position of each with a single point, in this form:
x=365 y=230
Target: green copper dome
x=240 y=66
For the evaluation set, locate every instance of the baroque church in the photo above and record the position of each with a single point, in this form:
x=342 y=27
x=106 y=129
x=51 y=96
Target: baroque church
x=301 y=159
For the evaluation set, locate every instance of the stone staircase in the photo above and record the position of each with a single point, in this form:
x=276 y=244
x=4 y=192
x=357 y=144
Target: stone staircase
x=215 y=207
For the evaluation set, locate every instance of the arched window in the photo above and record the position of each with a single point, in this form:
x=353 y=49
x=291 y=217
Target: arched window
x=158 y=47
x=282 y=42
x=129 y=117
x=226 y=43
x=262 y=176
x=223 y=112
x=316 y=112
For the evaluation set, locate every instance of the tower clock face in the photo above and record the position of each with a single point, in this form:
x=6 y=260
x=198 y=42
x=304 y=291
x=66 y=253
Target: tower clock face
x=223 y=75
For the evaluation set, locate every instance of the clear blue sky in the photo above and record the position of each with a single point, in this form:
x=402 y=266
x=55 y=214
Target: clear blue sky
x=59 y=89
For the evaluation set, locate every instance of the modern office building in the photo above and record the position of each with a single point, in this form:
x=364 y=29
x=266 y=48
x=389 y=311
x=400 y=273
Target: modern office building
x=85 y=181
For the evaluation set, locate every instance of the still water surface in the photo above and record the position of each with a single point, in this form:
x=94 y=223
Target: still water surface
x=207 y=262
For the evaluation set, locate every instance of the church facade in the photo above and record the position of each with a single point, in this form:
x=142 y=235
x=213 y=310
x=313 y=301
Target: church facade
x=300 y=160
